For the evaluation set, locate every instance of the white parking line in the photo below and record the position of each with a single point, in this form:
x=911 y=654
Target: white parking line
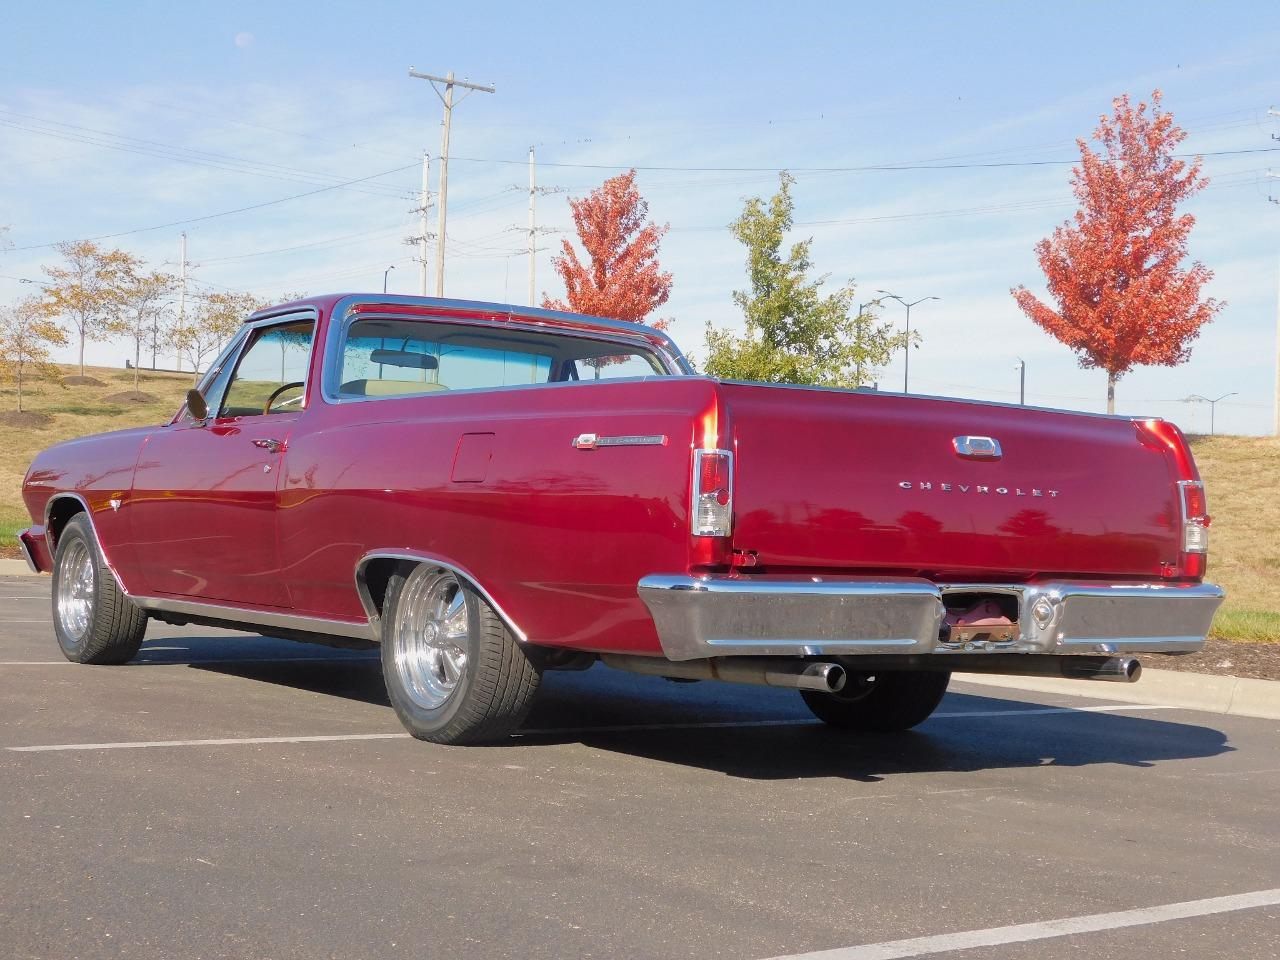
x=1024 y=932
x=196 y=663
x=560 y=731
x=230 y=742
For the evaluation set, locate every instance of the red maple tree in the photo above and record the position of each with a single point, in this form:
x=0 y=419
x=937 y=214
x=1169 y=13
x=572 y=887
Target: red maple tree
x=622 y=279
x=1115 y=269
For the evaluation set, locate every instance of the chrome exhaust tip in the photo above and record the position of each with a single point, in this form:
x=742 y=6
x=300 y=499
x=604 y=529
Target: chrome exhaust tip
x=1113 y=669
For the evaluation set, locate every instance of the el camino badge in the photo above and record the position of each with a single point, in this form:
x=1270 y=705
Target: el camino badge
x=591 y=441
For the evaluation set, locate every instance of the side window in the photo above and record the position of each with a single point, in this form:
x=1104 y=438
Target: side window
x=615 y=367
x=272 y=373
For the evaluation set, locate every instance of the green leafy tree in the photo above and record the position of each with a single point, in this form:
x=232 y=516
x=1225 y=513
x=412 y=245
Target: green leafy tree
x=85 y=290
x=26 y=335
x=795 y=332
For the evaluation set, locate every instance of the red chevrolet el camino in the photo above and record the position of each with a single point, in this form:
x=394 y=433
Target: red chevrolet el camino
x=487 y=492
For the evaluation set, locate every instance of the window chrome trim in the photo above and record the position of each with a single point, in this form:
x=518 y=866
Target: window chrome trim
x=343 y=315
x=247 y=335
x=231 y=353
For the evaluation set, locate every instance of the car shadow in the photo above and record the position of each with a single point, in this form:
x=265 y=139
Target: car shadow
x=748 y=732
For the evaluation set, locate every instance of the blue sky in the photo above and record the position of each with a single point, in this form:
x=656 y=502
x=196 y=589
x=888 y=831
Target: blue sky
x=126 y=116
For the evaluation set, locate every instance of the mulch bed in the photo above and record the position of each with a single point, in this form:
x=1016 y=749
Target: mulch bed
x=1261 y=661
x=129 y=396
x=27 y=418
x=82 y=382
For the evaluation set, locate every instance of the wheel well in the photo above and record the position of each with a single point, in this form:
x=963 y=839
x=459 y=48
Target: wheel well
x=374 y=577
x=61 y=510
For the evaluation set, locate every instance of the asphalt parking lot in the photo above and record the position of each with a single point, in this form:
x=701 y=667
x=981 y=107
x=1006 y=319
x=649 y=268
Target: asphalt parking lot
x=233 y=796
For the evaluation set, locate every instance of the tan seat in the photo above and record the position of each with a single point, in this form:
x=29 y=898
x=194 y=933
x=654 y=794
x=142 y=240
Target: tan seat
x=389 y=388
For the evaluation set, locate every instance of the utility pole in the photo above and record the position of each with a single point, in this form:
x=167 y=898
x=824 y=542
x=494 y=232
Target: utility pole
x=446 y=98
x=1276 y=176
x=533 y=229
x=182 y=296
x=422 y=226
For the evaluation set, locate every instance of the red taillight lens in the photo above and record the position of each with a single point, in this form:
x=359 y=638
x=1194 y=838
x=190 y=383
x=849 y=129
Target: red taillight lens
x=712 y=493
x=1195 y=517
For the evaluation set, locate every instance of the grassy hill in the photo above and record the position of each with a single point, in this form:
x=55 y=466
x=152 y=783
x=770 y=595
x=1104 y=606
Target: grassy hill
x=1240 y=473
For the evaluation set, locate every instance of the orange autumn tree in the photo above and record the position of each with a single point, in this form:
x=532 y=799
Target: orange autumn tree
x=1115 y=269
x=622 y=278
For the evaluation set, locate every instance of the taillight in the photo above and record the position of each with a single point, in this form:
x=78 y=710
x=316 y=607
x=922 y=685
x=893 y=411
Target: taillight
x=712 y=514
x=1195 y=517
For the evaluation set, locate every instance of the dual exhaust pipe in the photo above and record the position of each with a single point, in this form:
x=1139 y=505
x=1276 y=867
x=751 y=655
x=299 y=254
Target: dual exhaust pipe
x=823 y=677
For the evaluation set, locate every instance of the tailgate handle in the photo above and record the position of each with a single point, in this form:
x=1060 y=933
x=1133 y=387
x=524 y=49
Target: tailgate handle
x=977 y=448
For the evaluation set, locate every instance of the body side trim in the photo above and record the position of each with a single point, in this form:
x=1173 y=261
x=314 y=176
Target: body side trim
x=366 y=598
x=261 y=618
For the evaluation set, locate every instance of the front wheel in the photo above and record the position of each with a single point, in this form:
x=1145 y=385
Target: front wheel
x=455 y=674
x=92 y=618
x=881 y=702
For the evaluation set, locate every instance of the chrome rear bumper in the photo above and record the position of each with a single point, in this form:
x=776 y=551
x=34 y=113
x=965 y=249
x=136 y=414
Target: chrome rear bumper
x=766 y=616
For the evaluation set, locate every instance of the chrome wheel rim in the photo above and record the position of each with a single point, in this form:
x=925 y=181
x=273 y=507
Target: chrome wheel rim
x=430 y=639
x=76 y=581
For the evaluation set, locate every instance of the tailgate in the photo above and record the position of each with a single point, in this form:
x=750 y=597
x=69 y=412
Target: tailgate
x=873 y=482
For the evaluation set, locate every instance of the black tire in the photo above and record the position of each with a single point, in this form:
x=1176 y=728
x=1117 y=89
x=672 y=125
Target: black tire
x=883 y=702
x=92 y=618
x=496 y=686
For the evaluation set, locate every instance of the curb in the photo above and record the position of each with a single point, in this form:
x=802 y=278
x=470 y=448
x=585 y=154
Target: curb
x=15 y=568
x=1233 y=696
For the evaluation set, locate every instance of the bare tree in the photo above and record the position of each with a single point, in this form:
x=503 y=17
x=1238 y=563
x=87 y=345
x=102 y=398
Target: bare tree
x=140 y=308
x=214 y=320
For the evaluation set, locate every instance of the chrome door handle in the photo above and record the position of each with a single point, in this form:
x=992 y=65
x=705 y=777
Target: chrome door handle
x=270 y=445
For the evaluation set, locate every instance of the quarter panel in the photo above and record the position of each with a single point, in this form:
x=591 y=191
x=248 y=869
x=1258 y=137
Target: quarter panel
x=559 y=536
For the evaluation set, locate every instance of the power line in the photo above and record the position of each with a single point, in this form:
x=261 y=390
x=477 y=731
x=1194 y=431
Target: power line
x=867 y=168
x=214 y=216
x=163 y=151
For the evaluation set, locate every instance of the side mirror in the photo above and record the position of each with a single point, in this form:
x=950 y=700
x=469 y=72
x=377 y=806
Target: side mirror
x=196 y=406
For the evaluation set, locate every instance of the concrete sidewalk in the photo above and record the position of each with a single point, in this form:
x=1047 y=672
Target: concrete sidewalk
x=1237 y=696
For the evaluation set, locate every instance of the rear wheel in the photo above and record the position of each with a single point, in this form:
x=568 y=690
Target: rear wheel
x=882 y=702
x=455 y=674
x=92 y=618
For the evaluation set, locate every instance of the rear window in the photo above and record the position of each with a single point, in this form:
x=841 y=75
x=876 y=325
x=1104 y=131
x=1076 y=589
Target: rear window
x=396 y=357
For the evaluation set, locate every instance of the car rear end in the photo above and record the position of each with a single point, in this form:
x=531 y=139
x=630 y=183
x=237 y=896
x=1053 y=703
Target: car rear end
x=884 y=531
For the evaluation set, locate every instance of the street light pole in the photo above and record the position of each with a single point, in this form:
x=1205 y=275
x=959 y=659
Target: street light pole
x=861 y=368
x=1213 y=403
x=1022 y=382
x=384 y=277
x=906 y=347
